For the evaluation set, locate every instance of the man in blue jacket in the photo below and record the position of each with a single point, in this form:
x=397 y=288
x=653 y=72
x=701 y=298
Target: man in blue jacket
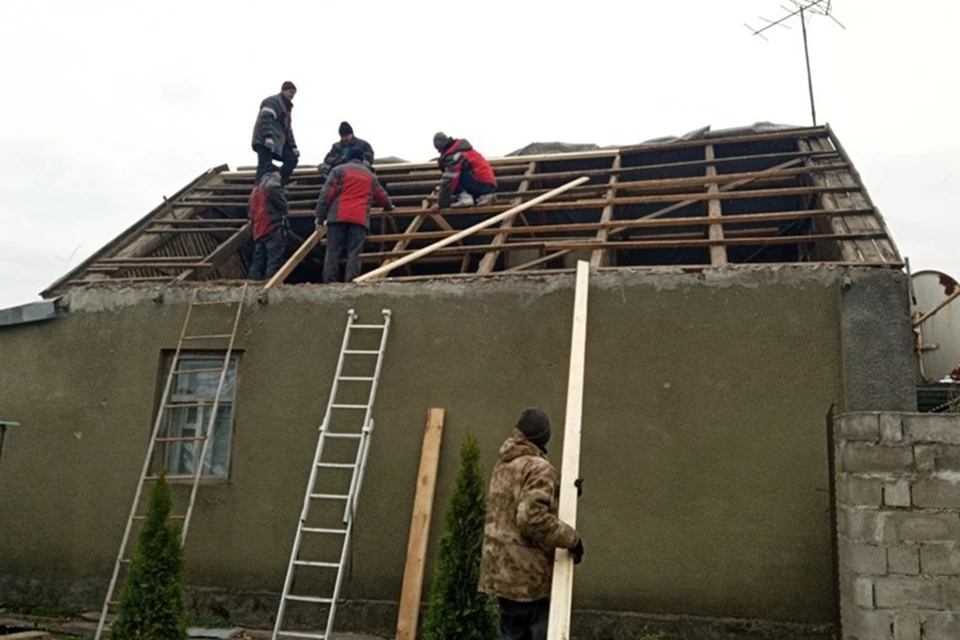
x=273 y=133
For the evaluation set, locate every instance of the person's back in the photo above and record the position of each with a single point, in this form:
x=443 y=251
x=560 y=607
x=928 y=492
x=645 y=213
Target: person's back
x=522 y=530
x=268 y=214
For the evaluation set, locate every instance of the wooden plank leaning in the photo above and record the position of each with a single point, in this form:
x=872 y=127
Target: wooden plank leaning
x=416 y=255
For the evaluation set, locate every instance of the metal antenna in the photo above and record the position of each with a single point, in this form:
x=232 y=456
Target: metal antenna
x=800 y=8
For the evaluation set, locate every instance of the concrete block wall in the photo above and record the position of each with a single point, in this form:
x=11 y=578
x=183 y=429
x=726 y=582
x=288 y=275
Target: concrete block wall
x=898 y=518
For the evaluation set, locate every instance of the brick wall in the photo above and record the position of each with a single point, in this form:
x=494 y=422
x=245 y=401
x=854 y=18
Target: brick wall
x=898 y=518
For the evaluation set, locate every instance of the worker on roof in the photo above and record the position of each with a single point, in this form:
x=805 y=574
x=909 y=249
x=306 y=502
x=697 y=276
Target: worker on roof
x=522 y=530
x=268 y=213
x=338 y=151
x=467 y=179
x=344 y=208
x=273 y=133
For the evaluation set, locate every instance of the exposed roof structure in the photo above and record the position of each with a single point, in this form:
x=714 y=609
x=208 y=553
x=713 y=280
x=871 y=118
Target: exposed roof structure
x=709 y=199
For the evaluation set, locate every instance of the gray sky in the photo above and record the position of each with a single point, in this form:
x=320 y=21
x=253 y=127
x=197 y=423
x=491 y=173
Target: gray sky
x=108 y=105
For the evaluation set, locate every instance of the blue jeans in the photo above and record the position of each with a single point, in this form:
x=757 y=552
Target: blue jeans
x=267 y=256
x=469 y=184
x=524 y=620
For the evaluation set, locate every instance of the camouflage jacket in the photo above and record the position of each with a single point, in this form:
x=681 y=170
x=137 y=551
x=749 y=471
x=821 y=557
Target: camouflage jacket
x=522 y=528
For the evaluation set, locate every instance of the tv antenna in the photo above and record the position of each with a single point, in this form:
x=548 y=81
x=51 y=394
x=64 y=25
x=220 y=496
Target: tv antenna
x=802 y=8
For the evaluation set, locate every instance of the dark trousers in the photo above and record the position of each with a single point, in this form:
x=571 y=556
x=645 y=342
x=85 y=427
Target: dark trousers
x=343 y=237
x=469 y=184
x=265 y=159
x=267 y=256
x=524 y=620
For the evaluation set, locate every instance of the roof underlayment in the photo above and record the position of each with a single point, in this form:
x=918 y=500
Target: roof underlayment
x=764 y=194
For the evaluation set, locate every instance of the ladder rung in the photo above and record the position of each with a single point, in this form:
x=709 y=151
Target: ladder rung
x=184 y=372
x=112 y=603
x=367 y=326
x=310 y=599
x=301 y=634
x=349 y=406
x=361 y=352
x=311 y=563
x=124 y=560
x=334 y=434
x=356 y=378
x=210 y=336
x=181 y=439
x=329 y=496
x=339 y=532
x=337 y=465
x=171 y=517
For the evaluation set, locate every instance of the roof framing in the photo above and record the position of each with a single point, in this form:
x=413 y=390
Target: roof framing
x=784 y=196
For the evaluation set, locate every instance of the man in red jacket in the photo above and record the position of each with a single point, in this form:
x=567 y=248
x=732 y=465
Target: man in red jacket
x=268 y=213
x=467 y=179
x=344 y=208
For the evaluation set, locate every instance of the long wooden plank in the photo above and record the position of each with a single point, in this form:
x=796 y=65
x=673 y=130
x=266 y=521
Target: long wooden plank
x=561 y=594
x=412 y=589
x=718 y=252
x=489 y=260
x=295 y=259
x=466 y=232
x=607 y=214
x=221 y=253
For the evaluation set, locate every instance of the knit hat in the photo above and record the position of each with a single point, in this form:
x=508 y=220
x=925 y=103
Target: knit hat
x=534 y=424
x=353 y=152
x=440 y=141
x=288 y=85
x=345 y=129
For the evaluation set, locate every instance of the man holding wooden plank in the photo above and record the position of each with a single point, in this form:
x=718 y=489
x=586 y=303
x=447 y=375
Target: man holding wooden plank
x=522 y=530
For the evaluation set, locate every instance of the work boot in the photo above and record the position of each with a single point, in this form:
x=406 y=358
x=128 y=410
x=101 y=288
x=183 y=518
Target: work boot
x=487 y=198
x=463 y=200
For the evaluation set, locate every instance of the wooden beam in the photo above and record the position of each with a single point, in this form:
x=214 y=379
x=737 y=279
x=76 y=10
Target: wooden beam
x=221 y=253
x=718 y=252
x=412 y=589
x=466 y=232
x=295 y=259
x=596 y=258
x=489 y=260
x=561 y=595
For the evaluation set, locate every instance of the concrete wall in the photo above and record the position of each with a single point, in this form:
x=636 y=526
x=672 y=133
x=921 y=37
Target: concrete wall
x=704 y=447
x=898 y=501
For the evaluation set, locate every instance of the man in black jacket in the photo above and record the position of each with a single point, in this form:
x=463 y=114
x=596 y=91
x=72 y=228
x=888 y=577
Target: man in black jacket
x=273 y=133
x=338 y=152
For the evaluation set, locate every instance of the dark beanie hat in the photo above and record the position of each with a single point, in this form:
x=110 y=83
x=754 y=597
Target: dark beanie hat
x=535 y=425
x=440 y=140
x=345 y=129
x=288 y=85
x=353 y=152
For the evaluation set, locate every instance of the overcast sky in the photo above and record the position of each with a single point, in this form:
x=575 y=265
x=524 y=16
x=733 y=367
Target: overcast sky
x=107 y=105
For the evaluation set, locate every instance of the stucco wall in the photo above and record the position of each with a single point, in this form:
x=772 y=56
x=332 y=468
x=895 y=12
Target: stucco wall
x=704 y=446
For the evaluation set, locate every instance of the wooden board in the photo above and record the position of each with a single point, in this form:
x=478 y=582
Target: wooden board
x=412 y=589
x=561 y=595
x=296 y=258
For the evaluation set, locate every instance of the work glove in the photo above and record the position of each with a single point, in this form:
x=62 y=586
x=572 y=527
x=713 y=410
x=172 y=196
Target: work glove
x=320 y=225
x=268 y=143
x=389 y=207
x=296 y=152
x=578 y=483
x=576 y=551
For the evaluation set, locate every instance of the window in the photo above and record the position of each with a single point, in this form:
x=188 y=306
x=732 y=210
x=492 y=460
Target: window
x=194 y=389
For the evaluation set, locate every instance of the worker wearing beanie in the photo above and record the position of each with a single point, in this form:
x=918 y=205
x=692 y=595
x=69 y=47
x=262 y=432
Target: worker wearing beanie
x=273 y=134
x=522 y=530
x=467 y=178
x=344 y=208
x=337 y=153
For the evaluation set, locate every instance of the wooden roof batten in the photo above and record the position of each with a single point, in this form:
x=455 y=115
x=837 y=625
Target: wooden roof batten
x=789 y=195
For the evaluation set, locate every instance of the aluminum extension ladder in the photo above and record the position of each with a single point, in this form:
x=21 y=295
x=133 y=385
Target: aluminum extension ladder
x=166 y=405
x=356 y=469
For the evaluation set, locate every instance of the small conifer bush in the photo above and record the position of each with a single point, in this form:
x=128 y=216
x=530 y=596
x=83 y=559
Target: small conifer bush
x=152 y=601
x=457 y=611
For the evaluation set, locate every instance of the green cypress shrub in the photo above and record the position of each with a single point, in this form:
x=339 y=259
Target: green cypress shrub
x=457 y=611
x=152 y=601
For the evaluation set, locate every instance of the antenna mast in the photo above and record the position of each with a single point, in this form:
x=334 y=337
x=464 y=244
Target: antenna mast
x=800 y=8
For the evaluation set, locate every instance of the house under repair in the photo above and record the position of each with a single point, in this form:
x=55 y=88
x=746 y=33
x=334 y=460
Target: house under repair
x=742 y=284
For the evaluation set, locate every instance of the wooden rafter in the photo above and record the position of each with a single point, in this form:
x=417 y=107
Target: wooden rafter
x=718 y=252
x=596 y=258
x=489 y=260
